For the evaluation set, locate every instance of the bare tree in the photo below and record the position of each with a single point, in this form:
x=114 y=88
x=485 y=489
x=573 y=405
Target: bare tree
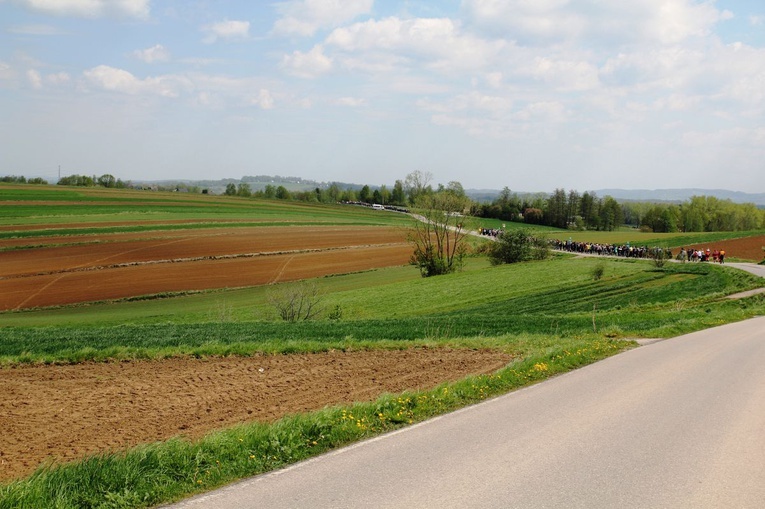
x=296 y=302
x=416 y=184
x=439 y=236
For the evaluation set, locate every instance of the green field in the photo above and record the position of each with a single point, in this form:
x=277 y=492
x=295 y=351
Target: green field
x=558 y=297
x=554 y=315
x=69 y=207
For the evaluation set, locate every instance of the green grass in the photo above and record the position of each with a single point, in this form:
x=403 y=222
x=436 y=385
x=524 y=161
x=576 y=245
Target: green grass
x=68 y=207
x=558 y=297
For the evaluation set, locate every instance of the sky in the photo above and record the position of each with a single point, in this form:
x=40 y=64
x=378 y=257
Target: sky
x=532 y=95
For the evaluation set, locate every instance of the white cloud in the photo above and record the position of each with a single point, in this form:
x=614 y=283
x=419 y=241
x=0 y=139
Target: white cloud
x=469 y=102
x=90 y=8
x=642 y=68
x=7 y=74
x=305 y=17
x=545 y=111
x=59 y=78
x=156 y=53
x=307 y=65
x=226 y=30
x=119 y=80
x=438 y=41
x=494 y=79
x=353 y=102
x=565 y=74
x=262 y=99
x=35 y=79
x=756 y=20
x=202 y=90
x=658 y=21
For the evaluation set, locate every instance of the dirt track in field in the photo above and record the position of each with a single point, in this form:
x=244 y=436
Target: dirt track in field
x=63 y=413
x=127 y=265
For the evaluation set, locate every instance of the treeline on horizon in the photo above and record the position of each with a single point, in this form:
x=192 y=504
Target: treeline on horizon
x=560 y=209
x=587 y=211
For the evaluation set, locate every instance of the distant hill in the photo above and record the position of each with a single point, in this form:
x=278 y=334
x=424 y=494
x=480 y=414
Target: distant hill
x=681 y=195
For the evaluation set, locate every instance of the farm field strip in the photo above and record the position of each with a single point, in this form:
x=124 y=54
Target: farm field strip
x=131 y=281
x=208 y=244
x=62 y=413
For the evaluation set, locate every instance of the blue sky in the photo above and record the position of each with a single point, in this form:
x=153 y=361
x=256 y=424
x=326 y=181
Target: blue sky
x=528 y=94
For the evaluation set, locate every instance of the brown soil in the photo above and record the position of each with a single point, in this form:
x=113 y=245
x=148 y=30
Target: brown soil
x=747 y=248
x=126 y=265
x=63 y=413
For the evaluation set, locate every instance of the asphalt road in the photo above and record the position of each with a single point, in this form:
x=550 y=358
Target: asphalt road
x=675 y=424
x=753 y=268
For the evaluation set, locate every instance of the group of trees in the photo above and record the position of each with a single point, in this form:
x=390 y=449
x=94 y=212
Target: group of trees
x=14 y=179
x=105 y=180
x=699 y=214
x=559 y=209
x=587 y=211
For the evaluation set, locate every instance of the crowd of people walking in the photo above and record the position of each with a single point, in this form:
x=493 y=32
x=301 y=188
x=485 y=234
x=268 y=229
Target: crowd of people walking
x=630 y=251
x=626 y=250
x=623 y=250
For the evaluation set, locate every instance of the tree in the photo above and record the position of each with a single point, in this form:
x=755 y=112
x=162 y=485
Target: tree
x=282 y=193
x=533 y=215
x=557 y=209
x=107 y=180
x=230 y=189
x=456 y=188
x=398 y=197
x=244 y=190
x=77 y=180
x=333 y=193
x=611 y=215
x=439 y=237
x=589 y=209
x=518 y=245
x=573 y=205
x=416 y=184
x=365 y=195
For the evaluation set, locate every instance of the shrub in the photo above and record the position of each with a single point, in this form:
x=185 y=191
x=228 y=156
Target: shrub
x=517 y=246
x=296 y=302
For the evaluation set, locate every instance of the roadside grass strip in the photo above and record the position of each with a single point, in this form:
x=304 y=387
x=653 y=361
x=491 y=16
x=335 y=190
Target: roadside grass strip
x=166 y=471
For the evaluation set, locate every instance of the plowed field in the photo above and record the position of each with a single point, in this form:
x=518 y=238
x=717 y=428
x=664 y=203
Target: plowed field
x=116 y=266
x=62 y=413
x=748 y=248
